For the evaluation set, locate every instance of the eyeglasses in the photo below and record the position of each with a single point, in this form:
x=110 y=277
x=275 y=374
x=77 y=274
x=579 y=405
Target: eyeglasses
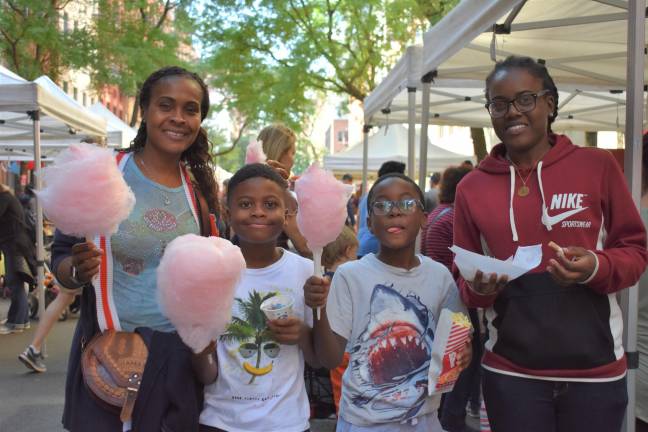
x=408 y=205
x=523 y=103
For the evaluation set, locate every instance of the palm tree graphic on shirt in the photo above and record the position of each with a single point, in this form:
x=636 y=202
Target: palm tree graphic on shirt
x=251 y=331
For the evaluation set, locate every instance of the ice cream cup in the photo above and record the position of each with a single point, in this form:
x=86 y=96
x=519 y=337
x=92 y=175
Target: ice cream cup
x=278 y=307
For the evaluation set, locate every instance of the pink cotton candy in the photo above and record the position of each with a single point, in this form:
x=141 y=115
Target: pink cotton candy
x=254 y=153
x=322 y=206
x=85 y=193
x=196 y=280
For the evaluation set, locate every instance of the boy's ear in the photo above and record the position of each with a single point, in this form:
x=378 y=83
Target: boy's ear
x=226 y=214
x=423 y=220
x=369 y=225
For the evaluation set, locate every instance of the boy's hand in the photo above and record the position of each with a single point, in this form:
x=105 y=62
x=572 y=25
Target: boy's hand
x=316 y=291
x=465 y=355
x=488 y=285
x=572 y=264
x=287 y=331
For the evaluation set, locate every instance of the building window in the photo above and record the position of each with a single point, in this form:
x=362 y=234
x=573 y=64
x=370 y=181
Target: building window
x=85 y=100
x=65 y=86
x=66 y=23
x=75 y=93
x=342 y=136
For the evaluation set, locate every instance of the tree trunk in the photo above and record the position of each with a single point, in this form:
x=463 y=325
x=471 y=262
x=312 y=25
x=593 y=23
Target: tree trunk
x=479 y=143
x=133 y=119
x=591 y=139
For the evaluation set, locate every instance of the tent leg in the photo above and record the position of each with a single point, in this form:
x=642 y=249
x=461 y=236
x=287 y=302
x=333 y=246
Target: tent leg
x=365 y=156
x=425 y=119
x=411 y=133
x=40 y=247
x=632 y=162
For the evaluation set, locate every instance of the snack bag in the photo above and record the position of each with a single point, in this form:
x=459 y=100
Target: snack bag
x=452 y=332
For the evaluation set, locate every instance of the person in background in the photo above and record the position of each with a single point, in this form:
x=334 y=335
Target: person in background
x=18 y=253
x=351 y=211
x=642 y=322
x=432 y=194
x=279 y=144
x=554 y=360
x=342 y=250
x=368 y=243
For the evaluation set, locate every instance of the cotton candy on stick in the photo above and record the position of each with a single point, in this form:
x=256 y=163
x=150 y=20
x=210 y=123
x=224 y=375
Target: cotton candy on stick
x=85 y=193
x=322 y=211
x=254 y=153
x=196 y=280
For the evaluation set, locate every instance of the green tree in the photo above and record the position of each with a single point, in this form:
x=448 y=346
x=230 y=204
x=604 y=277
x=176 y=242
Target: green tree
x=252 y=328
x=136 y=37
x=273 y=59
x=36 y=39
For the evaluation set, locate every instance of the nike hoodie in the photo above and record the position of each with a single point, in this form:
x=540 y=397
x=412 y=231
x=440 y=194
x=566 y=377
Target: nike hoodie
x=578 y=197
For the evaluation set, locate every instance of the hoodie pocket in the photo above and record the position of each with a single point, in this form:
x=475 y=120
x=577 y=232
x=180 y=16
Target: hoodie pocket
x=542 y=325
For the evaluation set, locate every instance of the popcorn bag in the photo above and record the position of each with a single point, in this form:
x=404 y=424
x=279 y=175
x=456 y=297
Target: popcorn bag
x=452 y=332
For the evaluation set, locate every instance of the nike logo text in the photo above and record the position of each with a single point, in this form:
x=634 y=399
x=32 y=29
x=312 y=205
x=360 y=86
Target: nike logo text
x=567 y=201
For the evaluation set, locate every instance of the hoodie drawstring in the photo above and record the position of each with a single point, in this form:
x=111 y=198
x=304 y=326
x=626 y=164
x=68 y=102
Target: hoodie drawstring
x=511 y=215
x=545 y=216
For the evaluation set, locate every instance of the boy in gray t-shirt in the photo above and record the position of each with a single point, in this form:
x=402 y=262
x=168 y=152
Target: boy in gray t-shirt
x=386 y=306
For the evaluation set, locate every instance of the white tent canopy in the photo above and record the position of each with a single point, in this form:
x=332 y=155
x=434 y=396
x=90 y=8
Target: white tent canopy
x=119 y=133
x=34 y=110
x=390 y=144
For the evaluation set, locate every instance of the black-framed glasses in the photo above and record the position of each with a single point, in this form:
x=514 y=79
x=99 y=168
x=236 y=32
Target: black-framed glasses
x=524 y=102
x=385 y=207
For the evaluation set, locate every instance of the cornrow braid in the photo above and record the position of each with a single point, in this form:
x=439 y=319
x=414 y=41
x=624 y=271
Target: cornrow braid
x=535 y=68
x=198 y=155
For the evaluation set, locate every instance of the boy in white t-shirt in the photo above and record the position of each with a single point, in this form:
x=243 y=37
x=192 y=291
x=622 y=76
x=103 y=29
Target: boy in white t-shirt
x=386 y=307
x=259 y=368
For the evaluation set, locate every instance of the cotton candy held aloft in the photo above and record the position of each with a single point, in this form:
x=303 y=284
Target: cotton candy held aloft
x=85 y=193
x=196 y=280
x=322 y=206
x=254 y=153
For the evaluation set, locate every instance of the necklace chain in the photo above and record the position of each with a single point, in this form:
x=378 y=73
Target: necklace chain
x=165 y=197
x=524 y=189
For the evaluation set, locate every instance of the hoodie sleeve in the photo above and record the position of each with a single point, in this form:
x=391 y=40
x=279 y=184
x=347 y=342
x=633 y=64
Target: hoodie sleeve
x=467 y=236
x=624 y=256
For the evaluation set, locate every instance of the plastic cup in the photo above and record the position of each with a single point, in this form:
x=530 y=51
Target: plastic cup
x=278 y=307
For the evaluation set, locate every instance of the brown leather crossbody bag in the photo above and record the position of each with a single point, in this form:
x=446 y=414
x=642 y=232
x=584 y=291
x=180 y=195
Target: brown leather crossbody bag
x=112 y=365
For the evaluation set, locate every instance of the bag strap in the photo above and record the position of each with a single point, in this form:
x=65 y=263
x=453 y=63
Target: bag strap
x=207 y=220
x=440 y=214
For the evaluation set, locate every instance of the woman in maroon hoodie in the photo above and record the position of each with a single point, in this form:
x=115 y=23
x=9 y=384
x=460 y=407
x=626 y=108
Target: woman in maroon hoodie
x=554 y=361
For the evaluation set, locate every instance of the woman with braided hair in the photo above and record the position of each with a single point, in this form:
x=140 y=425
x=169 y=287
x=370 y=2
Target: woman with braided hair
x=167 y=167
x=554 y=360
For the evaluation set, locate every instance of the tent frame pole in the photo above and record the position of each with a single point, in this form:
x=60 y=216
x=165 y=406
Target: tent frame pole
x=40 y=246
x=425 y=121
x=365 y=156
x=632 y=164
x=411 y=132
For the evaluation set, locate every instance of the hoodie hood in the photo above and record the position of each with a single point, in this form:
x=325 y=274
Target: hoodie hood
x=497 y=163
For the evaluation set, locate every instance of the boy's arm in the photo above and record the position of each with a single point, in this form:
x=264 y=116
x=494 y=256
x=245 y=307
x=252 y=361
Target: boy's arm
x=205 y=365
x=328 y=345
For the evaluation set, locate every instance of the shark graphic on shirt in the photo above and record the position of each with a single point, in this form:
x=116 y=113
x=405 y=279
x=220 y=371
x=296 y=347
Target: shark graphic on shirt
x=391 y=357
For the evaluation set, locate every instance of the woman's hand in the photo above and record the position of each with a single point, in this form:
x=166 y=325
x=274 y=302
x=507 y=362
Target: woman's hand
x=492 y=285
x=279 y=167
x=86 y=258
x=572 y=264
x=316 y=291
x=287 y=331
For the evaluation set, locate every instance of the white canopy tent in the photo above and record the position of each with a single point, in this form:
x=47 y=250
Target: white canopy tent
x=34 y=110
x=119 y=133
x=390 y=144
x=586 y=44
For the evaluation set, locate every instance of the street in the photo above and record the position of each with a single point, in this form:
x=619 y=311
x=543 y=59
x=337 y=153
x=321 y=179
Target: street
x=34 y=402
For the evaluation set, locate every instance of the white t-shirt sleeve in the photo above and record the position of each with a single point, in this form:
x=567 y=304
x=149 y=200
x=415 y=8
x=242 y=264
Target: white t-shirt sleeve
x=339 y=306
